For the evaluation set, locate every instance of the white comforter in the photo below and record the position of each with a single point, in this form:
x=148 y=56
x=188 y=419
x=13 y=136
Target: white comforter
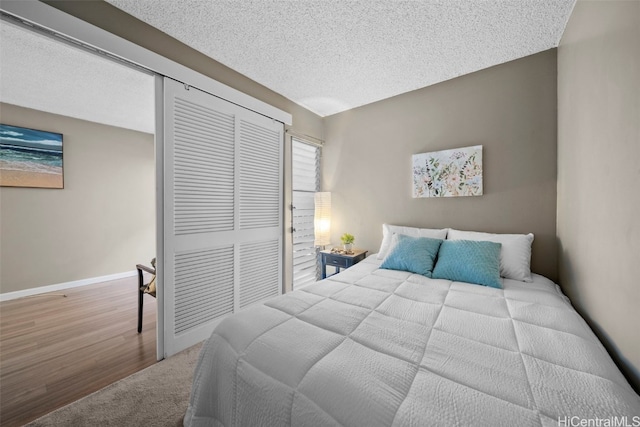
x=374 y=347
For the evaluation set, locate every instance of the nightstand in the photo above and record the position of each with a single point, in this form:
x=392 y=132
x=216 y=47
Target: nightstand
x=339 y=261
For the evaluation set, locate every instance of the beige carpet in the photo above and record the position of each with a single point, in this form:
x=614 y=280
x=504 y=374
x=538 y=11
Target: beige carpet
x=155 y=396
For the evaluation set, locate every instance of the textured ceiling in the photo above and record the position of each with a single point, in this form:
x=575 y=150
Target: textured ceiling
x=334 y=55
x=44 y=74
x=326 y=55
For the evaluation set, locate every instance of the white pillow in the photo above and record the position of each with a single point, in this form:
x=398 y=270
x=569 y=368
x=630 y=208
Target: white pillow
x=389 y=230
x=515 y=255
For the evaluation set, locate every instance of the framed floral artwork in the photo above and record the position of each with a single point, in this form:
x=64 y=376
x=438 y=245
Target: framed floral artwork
x=448 y=173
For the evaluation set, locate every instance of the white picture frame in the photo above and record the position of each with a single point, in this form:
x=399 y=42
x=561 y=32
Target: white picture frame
x=448 y=173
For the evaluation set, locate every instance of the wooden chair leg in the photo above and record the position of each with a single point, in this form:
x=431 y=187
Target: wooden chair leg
x=140 y=299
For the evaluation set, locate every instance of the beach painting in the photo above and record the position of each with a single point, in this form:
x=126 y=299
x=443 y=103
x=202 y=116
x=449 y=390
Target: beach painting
x=30 y=158
x=448 y=173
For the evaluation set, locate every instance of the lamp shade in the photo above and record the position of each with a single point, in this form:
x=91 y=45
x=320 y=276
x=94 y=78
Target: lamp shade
x=322 y=218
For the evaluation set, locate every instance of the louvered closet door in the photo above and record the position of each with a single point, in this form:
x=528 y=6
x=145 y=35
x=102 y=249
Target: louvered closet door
x=223 y=212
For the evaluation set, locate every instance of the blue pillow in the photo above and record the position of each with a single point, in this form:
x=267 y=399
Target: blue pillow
x=413 y=254
x=469 y=261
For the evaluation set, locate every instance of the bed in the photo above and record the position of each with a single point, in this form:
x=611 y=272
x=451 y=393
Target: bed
x=375 y=346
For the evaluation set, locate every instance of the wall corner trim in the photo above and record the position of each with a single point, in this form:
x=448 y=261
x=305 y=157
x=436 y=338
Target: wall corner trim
x=66 y=285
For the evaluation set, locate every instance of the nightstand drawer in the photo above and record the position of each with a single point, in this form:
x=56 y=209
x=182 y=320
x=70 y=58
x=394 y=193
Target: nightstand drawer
x=338 y=262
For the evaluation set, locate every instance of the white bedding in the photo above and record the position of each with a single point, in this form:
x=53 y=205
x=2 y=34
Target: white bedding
x=374 y=347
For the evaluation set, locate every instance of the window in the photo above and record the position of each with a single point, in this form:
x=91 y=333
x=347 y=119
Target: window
x=305 y=182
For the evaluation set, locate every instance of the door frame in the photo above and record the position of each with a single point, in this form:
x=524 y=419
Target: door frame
x=159 y=148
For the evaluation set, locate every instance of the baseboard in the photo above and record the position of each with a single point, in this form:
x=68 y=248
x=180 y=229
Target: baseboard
x=66 y=285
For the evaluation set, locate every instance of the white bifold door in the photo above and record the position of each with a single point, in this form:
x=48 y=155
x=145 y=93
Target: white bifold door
x=222 y=212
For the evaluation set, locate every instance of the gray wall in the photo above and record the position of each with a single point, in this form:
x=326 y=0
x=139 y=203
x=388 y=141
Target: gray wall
x=598 y=173
x=510 y=109
x=102 y=222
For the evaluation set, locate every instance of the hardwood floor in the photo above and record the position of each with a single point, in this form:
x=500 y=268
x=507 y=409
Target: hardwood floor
x=55 y=350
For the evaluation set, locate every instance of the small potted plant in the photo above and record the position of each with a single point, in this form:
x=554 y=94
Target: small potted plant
x=347 y=241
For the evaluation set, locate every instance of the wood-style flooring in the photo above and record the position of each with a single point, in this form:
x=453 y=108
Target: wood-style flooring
x=55 y=350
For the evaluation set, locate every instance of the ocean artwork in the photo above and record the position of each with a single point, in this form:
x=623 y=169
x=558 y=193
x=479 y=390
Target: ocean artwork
x=448 y=173
x=30 y=158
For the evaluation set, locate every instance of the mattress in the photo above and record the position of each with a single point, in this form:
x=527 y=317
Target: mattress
x=376 y=347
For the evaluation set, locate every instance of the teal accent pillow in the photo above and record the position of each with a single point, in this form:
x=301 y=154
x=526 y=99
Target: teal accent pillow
x=413 y=254
x=470 y=261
